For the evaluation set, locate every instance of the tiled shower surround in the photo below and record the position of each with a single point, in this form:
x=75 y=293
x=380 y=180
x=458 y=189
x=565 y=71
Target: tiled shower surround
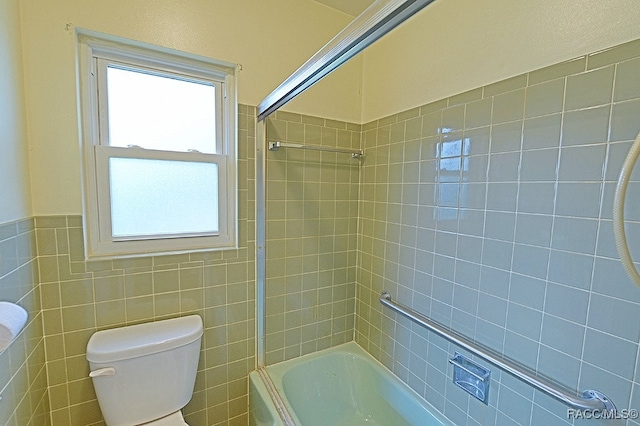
x=312 y=222
x=489 y=211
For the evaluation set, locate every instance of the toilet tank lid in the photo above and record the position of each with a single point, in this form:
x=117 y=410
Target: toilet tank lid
x=143 y=339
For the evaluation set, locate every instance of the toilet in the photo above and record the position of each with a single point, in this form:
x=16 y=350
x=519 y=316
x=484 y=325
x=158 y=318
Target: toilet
x=144 y=374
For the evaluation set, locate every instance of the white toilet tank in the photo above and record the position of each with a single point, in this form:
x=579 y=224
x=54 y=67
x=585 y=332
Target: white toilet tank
x=147 y=371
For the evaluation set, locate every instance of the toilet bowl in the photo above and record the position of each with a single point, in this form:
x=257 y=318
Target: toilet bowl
x=144 y=374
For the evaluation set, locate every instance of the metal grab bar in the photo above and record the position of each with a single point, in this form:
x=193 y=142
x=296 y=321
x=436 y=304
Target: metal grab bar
x=591 y=400
x=274 y=146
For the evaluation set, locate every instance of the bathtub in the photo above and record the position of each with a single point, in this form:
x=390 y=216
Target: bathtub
x=338 y=386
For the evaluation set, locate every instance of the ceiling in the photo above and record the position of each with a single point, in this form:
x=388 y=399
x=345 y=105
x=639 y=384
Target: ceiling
x=350 y=7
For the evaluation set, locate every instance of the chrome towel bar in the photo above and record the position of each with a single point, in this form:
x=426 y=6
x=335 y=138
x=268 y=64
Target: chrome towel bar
x=274 y=146
x=589 y=399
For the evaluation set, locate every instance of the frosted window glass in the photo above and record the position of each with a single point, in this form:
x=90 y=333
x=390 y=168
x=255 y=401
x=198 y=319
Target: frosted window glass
x=157 y=112
x=162 y=198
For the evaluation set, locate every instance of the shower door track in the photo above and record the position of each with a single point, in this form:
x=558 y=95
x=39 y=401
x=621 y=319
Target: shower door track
x=376 y=21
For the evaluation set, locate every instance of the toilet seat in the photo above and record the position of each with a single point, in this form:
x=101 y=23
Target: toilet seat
x=174 y=419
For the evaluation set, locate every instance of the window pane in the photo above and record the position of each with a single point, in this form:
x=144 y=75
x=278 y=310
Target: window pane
x=162 y=197
x=157 y=112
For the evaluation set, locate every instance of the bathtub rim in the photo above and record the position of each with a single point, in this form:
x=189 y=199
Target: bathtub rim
x=257 y=385
x=277 y=371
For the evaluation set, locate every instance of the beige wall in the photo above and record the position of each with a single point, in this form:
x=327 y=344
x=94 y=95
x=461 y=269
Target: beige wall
x=14 y=171
x=269 y=39
x=426 y=59
x=456 y=45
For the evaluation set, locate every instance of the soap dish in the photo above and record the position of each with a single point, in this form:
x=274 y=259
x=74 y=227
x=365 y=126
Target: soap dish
x=471 y=376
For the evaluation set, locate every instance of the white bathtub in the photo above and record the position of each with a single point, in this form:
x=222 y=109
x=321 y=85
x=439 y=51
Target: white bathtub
x=339 y=386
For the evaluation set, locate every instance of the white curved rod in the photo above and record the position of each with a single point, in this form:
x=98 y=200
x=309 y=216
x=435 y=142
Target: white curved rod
x=618 y=212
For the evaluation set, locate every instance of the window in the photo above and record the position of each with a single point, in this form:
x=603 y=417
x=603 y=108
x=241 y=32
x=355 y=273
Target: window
x=158 y=135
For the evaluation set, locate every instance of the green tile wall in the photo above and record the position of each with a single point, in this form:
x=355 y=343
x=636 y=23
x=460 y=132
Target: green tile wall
x=490 y=211
x=23 y=375
x=311 y=231
x=81 y=297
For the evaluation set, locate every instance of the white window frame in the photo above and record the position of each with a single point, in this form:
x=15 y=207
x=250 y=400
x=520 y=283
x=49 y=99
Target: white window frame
x=95 y=53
